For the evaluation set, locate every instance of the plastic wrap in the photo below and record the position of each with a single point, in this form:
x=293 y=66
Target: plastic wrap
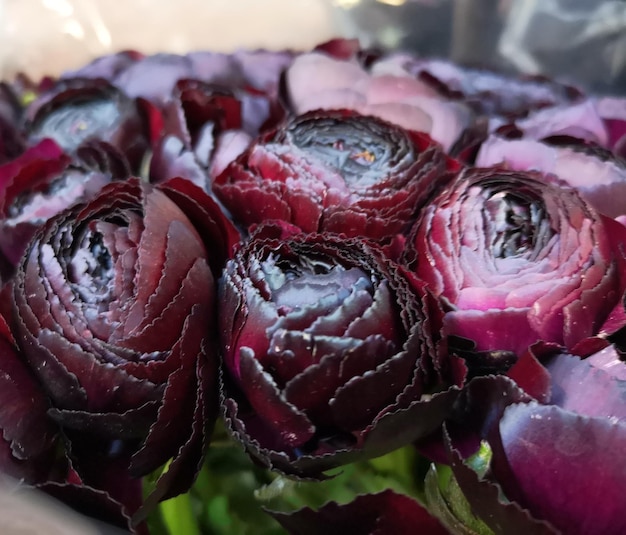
x=580 y=41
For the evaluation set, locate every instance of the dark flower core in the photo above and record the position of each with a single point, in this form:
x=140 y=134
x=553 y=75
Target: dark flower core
x=78 y=121
x=518 y=223
x=361 y=149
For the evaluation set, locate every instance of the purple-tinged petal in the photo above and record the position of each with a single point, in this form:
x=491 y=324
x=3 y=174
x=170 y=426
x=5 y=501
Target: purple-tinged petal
x=545 y=448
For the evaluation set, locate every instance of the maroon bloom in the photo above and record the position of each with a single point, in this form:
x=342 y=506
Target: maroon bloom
x=205 y=127
x=115 y=305
x=335 y=171
x=330 y=351
x=29 y=438
x=518 y=258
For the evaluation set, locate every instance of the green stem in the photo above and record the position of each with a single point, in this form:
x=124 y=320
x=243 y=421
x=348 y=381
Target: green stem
x=179 y=517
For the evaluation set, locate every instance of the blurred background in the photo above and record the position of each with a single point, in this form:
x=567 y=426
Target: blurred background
x=582 y=41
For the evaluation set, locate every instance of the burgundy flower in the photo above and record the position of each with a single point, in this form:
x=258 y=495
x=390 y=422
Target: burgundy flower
x=76 y=110
x=42 y=182
x=335 y=171
x=115 y=305
x=518 y=258
x=330 y=351
x=28 y=447
x=205 y=127
x=549 y=472
x=384 y=513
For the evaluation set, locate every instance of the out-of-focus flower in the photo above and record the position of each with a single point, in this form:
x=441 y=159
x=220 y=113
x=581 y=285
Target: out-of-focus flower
x=115 y=309
x=77 y=110
x=331 y=352
x=487 y=92
x=335 y=171
x=42 y=182
x=599 y=121
x=205 y=127
x=547 y=442
x=518 y=258
x=318 y=81
x=154 y=77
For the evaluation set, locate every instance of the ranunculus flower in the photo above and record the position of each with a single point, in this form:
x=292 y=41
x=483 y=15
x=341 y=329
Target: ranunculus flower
x=487 y=92
x=331 y=352
x=600 y=121
x=548 y=443
x=115 y=307
x=596 y=173
x=153 y=77
x=335 y=171
x=318 y=81
x=518 y=258
x=76 y=110
x=28 y=437
x=42 y=182
x=384 y=513
x=206 y=126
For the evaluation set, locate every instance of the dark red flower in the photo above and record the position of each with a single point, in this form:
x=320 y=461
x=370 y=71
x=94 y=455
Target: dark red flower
x=115 y=306
x=335 y=171
x=547 y=443
x=331 y=352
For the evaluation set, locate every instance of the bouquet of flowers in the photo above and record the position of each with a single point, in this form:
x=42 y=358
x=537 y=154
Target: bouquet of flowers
x=334 y=291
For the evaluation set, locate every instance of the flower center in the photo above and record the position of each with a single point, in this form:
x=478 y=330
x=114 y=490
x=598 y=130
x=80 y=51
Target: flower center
x=312 y=282
x=91 y=270
x=360 y=150
x=519 y=225
x=74 y=123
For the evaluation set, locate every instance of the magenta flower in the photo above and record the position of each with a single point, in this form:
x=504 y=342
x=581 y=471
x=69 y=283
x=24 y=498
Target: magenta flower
x=518 y=258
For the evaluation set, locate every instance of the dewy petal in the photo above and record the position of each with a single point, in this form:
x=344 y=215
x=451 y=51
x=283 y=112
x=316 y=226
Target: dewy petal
x=546 y=447
x=23 y=421
x=290 y=423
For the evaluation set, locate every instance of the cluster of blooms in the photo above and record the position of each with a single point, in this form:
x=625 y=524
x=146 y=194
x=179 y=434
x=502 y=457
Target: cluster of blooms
x=338 y=253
